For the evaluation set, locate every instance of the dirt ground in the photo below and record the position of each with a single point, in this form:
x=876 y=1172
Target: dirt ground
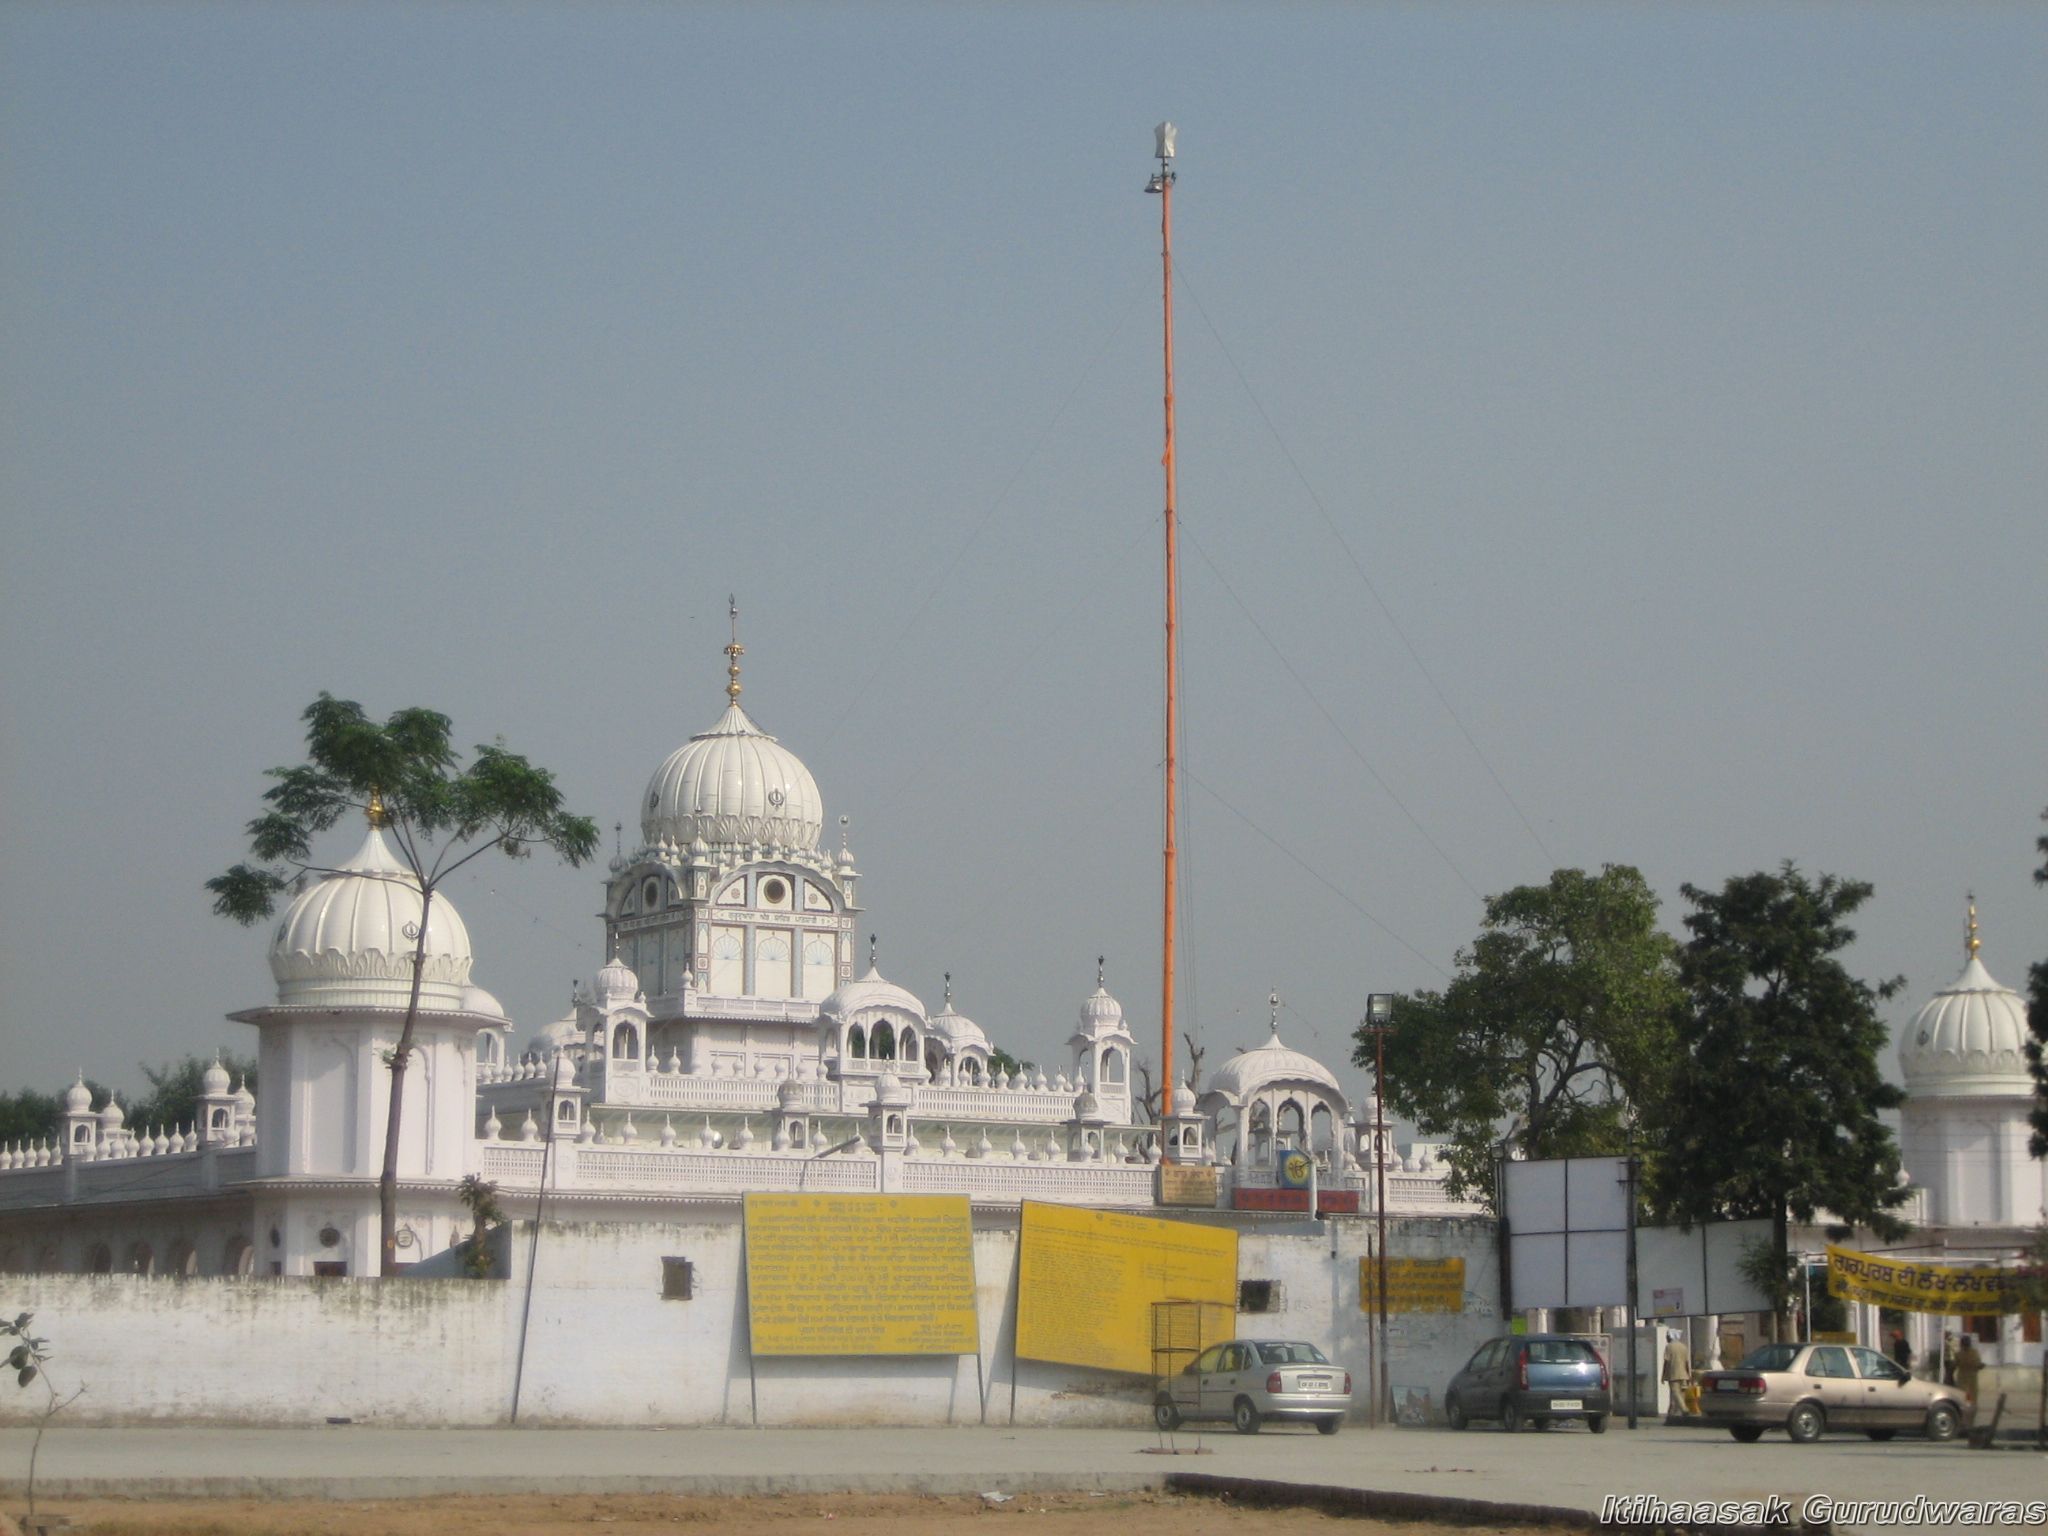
x=1050 y=1514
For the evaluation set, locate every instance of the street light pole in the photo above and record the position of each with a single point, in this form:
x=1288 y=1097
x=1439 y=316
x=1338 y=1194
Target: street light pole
x=1629 y=1178
x=1379 y=1019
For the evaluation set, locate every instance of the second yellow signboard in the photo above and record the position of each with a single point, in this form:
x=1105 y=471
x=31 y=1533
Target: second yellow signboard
x=860 y=1275
x=1414 y=1285
x=1087 y=1281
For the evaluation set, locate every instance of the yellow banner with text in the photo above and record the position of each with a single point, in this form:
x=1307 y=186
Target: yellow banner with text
x=1413 y=1285
x=860 y=1275
x=1953 y=1289
x=1087 y=1281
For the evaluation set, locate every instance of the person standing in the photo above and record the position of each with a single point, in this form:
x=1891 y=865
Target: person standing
x=1968 y=1364
x=1677 y=1374
x=1902 y=1351
x=1948 y=1358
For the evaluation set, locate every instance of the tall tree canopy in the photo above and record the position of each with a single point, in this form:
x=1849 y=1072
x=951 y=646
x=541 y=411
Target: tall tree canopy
x=1561 y=1012
x=406 y=775
x=1776 y=1096
x=2037 y=1026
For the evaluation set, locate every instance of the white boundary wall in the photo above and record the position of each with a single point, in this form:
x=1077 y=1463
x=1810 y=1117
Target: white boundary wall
x=605 y=1348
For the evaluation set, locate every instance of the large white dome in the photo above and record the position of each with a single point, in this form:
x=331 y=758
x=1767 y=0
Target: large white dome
x=1969 y=1041
x=734 y=785
x=344 y=940
x=1272 y=1063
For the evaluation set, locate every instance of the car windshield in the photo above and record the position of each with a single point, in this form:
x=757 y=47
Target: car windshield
x=1291 y=1354
x=1770 y=1357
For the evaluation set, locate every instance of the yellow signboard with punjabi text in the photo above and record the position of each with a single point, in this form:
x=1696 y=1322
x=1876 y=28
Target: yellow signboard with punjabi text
x=1087 y=1281
x=860 y=1275
x=1413 y=1285
x=1949 y=1289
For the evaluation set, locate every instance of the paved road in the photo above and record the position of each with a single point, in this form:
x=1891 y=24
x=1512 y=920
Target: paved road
x=1566 y=1467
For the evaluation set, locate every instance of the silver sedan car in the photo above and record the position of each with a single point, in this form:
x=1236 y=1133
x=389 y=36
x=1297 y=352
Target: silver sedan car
x=1249 y=1381
x=1808 y=1389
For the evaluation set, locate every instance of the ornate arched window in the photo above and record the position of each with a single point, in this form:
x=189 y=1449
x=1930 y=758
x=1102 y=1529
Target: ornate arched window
x=883 y=1044
x=1112 y=1068
x=856 y=1041
x=626 y=1043
x=1293 y=1127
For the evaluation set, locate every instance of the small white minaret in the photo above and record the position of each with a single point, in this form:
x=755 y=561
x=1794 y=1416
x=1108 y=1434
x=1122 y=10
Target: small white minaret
x=217 y=1108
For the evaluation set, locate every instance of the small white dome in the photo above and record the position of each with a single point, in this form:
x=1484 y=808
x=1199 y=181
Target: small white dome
x=112 y=1116
x=955 y=1029
x=77 y=1098
x=1101 y=1013
x=1249 y=1071
x=616 y=983
x=1183 y=1099
x=870 y=991
x=1969 y=1041
x=343 y=942
x=733 y=786
x=214 y=1080
x=564 y=1032
x=476 y=1000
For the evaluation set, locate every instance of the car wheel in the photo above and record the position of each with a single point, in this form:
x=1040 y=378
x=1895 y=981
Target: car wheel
x=1244 y=1418
x=1165 y=1415
x=1748 y=1434
x=1454 y=1414
x=1806 y=1423
x=1943 y=1421
x=1880 y=1434
x=1510 y=1415
x=1597 y=1422
x=1328 y=1425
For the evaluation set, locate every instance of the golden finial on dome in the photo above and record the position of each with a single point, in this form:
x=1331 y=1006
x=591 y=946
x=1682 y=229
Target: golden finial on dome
x=1973 y=943
x=378 y=816
x=734 y=652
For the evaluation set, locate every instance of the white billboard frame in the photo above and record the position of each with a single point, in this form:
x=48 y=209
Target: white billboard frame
x=1702 y=1265
x=1567 y=1223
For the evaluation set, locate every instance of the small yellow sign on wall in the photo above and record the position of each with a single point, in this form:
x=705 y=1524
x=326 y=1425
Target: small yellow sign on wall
x=860 y=1275
x=1087 y=1281
x=1413 y=1285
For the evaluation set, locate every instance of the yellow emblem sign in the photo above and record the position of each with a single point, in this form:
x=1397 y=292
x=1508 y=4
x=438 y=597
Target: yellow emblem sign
x=1087 y=1281
x=1413 y=1285
x=860 y=1275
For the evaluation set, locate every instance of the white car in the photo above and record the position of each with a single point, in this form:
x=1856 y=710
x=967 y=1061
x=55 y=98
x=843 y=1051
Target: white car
x=1249 y=1381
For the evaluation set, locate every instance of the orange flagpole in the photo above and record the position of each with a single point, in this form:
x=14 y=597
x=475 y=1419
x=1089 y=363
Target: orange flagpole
x=1162 y=183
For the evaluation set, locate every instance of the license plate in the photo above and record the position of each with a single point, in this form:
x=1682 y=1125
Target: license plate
x=1564 y=1404
x=1724 y=1386
x=1316 y=1383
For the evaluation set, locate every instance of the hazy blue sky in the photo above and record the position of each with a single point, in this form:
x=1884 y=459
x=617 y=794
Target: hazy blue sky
x=1676 y=374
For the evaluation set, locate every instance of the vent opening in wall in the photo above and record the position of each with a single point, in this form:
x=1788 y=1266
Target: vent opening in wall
x=1258 y=1296
x=678 y=1279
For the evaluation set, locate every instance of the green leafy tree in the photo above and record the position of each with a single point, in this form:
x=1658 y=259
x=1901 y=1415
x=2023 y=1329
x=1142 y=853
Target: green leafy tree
x=174 y=1088
x=442 y=814
x=1774 y=1110
x=2037 y=1027
x=1560 y=1014
x=480 y=1198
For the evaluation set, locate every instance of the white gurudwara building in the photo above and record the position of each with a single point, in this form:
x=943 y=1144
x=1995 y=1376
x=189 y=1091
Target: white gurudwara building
x=741 y=1038
x=1979 y=1195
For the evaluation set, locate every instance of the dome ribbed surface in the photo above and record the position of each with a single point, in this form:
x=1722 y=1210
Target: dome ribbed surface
x=1969 y=1040
x=1249 y=1071
x=343 y=941
x=733 y=786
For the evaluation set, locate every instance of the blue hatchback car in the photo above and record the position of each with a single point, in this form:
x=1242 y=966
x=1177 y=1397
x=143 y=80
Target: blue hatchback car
x=1531 y=1378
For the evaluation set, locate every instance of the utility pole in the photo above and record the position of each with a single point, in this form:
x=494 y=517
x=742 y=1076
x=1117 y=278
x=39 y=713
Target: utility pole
x=1378 y=1021
x=1629 y=1179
